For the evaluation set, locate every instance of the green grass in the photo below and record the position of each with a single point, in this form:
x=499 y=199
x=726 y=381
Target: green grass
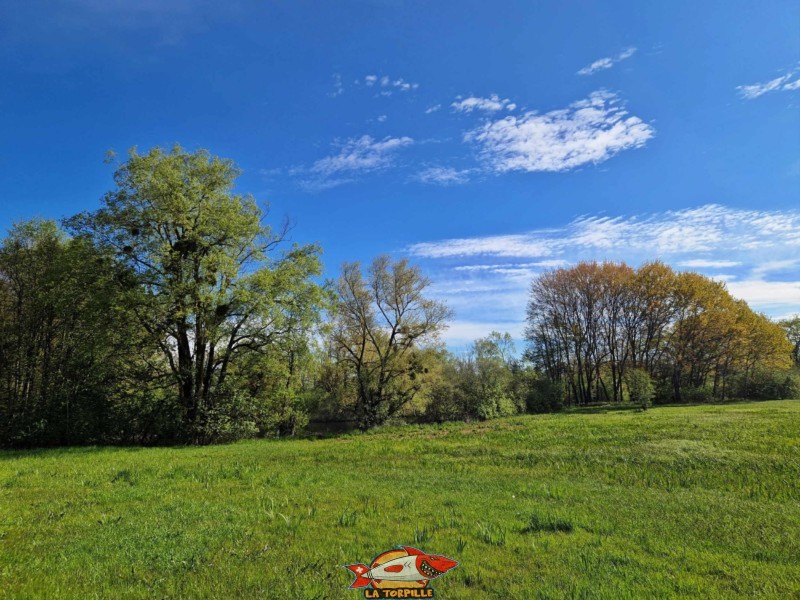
x=699 y=501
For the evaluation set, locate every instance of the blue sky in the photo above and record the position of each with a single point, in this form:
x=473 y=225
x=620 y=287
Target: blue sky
x=486 y=141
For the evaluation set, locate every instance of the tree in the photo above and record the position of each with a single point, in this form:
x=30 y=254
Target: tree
x=380 y=324
x=589 y=324
x=640 y=387
x=62 y=338
x=792 y=328
x=489 y=388
x=207 y=286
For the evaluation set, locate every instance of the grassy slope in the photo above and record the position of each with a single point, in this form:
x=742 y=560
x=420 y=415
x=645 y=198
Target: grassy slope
x=691 y=501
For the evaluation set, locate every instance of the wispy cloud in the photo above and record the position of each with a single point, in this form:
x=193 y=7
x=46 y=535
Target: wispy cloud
x=356 y=156
x=606 y=63
x=486 y=279
x=338 y=86
x=782 y=83
x=589 y=131
x=708 y=229
x=388 y=85
x=444 y=175
x=491 y=104
x=704 y=263
x=432 y=109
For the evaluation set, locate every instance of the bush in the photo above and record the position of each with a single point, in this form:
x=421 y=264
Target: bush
x=697 y=395
x=640 y=387
x=495 y=405
x=768 y=385
x=544 y=396
x=444 y=404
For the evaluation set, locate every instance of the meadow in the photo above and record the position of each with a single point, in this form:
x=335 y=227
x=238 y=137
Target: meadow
x=689 y=501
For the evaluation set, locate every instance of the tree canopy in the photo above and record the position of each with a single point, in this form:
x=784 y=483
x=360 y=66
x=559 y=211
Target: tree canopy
x=589 y=324
x=206 y=282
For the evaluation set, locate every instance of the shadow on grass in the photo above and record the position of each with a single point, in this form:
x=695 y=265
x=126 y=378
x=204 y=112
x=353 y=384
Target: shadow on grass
x=606 y=408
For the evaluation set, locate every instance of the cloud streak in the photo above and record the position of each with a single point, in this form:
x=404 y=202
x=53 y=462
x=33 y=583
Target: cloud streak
x=712 y=228
x=486 y=279
x=355 y=157
x=444 y=176
x=589 y=131
x=601 y=64
x=782 y=83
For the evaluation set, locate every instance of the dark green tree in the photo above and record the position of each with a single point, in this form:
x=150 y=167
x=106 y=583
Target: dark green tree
x=63 y=338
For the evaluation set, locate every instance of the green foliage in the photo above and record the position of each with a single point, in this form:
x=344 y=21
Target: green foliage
x=641 y=390
x=792 y=329
x=64 y=340
x=762 y=384
x=697 y=394
x=544 y=395
x=205 y=284
x=381 y=326
x=445 y=402
x=484 y=384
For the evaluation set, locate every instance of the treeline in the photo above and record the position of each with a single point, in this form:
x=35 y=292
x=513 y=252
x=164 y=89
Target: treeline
x=594 y=327
x=174 y=314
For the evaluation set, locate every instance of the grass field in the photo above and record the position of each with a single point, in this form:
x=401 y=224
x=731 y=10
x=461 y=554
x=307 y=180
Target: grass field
x=700 y=501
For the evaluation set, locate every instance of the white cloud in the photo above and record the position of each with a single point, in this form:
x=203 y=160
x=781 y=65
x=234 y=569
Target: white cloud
x=361 y=154
x=704 y=263
x=389 y=85
x=338 y=86
x=432 y=109
x=772 y=266
x=505 y=267
x=491 y=104
x=708 y=229
x=589 y=131
x=606 y=63
x=355 y=156
x=794 y=85
x=444 y=176
x=767 y=295
x=484 y=280
x=782 y=83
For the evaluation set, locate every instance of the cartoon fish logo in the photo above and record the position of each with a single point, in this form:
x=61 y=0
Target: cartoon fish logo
x=400 y=568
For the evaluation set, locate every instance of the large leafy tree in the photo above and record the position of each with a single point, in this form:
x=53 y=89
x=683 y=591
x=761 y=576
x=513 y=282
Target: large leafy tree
x=209 y=285
x=381 y=322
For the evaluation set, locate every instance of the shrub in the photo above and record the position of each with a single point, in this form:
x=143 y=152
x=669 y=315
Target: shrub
x=768 y=385
x=640 y=387
x=697 y=395
x=444 y=403
x=544 y=395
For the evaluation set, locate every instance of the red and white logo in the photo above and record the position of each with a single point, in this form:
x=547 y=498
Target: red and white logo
x=403 y=568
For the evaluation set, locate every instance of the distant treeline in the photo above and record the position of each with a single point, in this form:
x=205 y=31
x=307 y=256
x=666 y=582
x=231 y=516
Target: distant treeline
x=174 y=314
x=594 y=326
